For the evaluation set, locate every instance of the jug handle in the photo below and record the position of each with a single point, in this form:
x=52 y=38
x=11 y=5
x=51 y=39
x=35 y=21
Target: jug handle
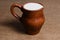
x=12 y=10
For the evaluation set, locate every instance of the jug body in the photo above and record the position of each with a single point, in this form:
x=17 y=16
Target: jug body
x=33 y=21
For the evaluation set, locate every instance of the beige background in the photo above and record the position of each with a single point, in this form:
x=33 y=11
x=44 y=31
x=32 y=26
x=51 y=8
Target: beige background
x=9 y=26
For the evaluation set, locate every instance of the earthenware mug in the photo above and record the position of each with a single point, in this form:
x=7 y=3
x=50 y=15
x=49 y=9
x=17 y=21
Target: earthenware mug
x=32 y=17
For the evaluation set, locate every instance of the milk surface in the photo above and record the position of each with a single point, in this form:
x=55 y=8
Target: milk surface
x=32 y=6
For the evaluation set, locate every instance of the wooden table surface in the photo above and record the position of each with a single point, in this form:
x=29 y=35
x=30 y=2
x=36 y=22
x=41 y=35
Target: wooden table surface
x=11 y=29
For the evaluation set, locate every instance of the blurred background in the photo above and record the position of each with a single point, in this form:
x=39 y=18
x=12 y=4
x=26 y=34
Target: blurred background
x=12 y=29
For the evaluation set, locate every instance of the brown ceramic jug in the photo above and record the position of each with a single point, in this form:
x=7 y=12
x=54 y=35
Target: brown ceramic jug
x=32 y=18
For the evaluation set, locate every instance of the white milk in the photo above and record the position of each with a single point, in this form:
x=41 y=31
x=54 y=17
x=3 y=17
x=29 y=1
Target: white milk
x=32 y=6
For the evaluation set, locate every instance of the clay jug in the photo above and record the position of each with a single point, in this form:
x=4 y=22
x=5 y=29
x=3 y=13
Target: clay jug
x=32 y=19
